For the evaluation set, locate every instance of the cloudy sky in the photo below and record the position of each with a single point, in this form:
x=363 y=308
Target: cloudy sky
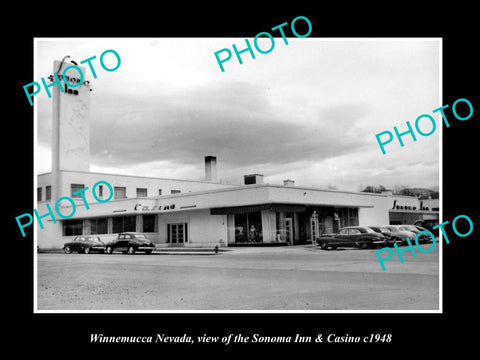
x=306 y=111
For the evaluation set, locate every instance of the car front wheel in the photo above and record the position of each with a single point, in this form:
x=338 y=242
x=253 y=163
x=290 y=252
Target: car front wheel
x=87 y=250
x=108 y=250
x=131 y=250
x=324 y=245
x=67 y=250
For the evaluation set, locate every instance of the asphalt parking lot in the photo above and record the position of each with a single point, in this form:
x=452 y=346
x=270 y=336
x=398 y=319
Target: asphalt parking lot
x=281 y=278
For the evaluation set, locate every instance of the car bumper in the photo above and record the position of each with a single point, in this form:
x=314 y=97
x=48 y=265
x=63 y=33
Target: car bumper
x=143 y=248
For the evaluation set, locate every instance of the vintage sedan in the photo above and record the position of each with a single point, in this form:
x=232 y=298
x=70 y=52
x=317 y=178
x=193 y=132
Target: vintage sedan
x=415 y=229
x=130 y=243
x=84 y=244
x=352 y=236
x=401 y=233
x=390 y=237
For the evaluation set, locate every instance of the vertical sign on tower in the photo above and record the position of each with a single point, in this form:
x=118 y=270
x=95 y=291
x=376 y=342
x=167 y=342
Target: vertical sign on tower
x=70 y=122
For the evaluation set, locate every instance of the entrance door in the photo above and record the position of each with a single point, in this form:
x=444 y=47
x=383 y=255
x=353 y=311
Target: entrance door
x=177 y=234
x=289 y=230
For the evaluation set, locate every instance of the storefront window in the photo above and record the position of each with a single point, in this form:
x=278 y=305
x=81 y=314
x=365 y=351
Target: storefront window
x=72 y=227
x=149 y=223
x=123 y=223
x=348 y=216
x=99 y=226
x=248 y=228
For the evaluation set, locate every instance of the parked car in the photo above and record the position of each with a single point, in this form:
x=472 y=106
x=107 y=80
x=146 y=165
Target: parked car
x=84 y=244
x=423 y=238
x=390 y=237
x=427 y=225
x=403 y=234
x=352 y=236
x=130 y=243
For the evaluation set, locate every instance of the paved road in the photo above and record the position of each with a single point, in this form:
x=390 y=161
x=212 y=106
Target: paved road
x=286 y=278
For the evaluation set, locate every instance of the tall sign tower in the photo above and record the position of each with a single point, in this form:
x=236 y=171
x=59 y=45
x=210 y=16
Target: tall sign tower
x=70 y=123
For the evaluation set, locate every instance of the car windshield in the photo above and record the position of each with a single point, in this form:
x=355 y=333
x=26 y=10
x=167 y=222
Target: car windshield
x=365 y=230
x=88 y=238
x=393 y=229
x=384 y=229
x=409 y=228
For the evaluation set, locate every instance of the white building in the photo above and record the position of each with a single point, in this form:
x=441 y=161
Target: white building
x=189 y=213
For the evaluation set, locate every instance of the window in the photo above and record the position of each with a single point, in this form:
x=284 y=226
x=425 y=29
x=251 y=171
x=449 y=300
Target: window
x=74 y=188
x=174 y=191
x=141 y=192
x=48 y=192
x=149 y=223
x=248 y=227
x=72 y=227
x=123 y=223
x=348 y=216
x=354 y=232
x=159 y=192
x=177 y=233
x=99 y=226
x=119 y=192
x=39 y=194
x=100 y=191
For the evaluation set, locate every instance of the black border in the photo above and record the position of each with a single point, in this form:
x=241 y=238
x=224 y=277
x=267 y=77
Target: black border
x=422 y=332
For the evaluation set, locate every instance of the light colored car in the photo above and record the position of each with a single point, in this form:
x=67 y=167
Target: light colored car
x=403 y=234
x=416 y=230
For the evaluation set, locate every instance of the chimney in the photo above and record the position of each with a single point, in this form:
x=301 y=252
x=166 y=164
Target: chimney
x=211 y=168
x=253 y=179
x=288 y=182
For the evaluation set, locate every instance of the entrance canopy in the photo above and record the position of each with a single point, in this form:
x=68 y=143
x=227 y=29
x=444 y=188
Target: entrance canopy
x=252 y=208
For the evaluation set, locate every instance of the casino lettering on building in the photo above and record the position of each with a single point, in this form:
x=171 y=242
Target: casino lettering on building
x=174 y=212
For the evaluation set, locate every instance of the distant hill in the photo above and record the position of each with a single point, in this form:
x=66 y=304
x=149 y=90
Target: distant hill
x=421 y=193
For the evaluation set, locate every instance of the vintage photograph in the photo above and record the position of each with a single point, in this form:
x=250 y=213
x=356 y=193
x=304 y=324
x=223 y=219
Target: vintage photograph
x=209 y=175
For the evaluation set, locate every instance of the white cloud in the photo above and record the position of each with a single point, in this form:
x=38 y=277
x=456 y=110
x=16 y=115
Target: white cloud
x=308 y=110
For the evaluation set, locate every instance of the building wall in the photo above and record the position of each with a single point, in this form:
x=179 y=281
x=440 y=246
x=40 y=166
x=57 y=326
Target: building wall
x=373 y=216
x=194 y=207
x=131 y=183
x=204 y=230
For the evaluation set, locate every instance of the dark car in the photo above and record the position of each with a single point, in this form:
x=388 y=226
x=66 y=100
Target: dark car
x=427 y=225
x=84 y=244
x=130 y=243
x=390 y=237
x=352 y=236
x=423 y=225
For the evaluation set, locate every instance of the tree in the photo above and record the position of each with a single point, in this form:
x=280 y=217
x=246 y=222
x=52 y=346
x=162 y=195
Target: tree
x=374 y=189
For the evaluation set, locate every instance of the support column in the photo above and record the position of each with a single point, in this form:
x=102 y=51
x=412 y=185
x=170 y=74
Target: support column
x=269 y=226
x=138 y=223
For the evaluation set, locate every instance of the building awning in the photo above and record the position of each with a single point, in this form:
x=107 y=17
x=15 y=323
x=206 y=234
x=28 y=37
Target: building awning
x=254 y=208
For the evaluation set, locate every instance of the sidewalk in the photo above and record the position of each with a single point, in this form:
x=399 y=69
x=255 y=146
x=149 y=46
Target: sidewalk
x=160 y=250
